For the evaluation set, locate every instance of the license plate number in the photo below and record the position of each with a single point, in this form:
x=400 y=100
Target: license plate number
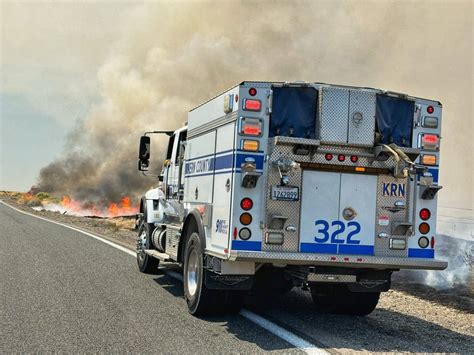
x=285 y=193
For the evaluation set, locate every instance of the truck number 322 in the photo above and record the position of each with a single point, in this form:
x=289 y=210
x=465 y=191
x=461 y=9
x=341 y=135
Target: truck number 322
x=337 y=230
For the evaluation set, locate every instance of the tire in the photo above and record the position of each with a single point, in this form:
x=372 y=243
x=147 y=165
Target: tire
x=146 y=263
x=337 y=299
x=200 y=300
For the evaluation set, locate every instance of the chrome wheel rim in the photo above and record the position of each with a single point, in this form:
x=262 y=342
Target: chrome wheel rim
x=192 y=272
x=141 y=242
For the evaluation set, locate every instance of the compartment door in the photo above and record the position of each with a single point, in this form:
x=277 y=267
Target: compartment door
x=357 y=212
x=319 y=207
x=338 y=213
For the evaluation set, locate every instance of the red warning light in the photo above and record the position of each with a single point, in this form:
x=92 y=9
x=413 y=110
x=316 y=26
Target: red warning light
x=328 y=156
x=252 y=105
x=425 y=214
x=354 y=158
x=252 y=91
x=246 y=203
x=430 y=109
x=341 y=157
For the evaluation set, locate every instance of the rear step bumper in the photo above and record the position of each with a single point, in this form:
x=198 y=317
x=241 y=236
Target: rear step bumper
x=356 y=261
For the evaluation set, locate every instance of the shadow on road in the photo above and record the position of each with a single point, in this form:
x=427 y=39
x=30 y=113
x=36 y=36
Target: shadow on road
x=234 y=324
x=383 y=330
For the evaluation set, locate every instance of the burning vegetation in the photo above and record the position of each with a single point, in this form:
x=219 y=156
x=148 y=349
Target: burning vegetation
x=68 y=205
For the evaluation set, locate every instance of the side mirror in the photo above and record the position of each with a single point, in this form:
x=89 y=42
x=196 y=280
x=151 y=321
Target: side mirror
x=144 y=153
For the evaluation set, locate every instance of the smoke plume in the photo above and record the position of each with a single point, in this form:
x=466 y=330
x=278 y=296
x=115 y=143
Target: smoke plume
x=172 y=56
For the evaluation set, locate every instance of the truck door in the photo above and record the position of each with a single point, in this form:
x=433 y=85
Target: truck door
x=338 y=213
x=175 y=177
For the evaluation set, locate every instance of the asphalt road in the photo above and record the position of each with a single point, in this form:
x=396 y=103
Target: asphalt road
x=64 y=291
x=61 y=290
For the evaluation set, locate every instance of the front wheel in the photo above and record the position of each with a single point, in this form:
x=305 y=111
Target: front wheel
x=146 y=263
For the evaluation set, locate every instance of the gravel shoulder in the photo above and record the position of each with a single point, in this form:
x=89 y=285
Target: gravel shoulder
x=411 y=317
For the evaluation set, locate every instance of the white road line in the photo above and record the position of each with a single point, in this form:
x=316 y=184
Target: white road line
x=280 y=332
x=271 y=327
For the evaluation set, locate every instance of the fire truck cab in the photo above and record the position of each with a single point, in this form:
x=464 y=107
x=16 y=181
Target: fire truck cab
x=272 y=185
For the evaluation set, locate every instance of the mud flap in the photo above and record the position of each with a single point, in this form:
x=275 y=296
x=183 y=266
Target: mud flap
x=216 y=281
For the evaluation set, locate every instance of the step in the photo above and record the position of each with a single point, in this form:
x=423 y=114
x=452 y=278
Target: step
x=157 y=254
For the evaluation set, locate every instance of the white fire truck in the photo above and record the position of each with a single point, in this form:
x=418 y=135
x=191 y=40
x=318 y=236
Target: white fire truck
x=273 y=185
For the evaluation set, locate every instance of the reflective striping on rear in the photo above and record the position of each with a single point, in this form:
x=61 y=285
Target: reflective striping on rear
x=421 y=253
x=318 y=248
x=246 y=245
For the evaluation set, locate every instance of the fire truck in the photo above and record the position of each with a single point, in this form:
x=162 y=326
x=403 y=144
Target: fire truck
x=275 y=185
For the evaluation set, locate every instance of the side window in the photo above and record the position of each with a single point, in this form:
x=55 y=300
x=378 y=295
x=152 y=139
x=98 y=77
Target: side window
x=181 y=146
x=170 y=147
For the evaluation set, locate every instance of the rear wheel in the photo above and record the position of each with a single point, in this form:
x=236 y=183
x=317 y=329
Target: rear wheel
x=338 y=299
x=202 y=301
x=198 y=298
x=146 y=263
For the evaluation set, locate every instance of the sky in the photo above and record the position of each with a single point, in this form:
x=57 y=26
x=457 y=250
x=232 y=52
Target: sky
x=73 y=73
x=50 y=55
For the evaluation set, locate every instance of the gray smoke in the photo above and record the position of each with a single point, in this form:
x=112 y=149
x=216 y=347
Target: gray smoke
x=172 y=56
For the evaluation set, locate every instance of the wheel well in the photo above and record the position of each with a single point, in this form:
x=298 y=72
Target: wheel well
x=192 y=223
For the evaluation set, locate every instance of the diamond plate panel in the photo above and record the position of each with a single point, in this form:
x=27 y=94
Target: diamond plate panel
x=289 y=209
x=361 y=124
x=334 y=107
x=292 y=209
x=385 y=208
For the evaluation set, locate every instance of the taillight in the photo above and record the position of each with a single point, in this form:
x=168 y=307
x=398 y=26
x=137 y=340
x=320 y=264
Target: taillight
x=432 y=242
x=252 y=91
x=430 y=109
x=429 y=141
x=245 y=218
x=424 y=228
x=252 y=105
x=425 y=214
x=250 y=126
x=341 y=157
x=246 y=204
x=328 y=156
x=354 y=158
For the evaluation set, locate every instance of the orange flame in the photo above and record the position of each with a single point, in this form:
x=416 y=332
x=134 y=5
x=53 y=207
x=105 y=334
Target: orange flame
x=122 y=208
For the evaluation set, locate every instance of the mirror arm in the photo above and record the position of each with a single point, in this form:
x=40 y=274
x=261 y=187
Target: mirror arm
x=144 y=173
x=168 y=133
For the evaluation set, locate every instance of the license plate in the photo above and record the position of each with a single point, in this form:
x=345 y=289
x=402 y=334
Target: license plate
x=285 y=193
